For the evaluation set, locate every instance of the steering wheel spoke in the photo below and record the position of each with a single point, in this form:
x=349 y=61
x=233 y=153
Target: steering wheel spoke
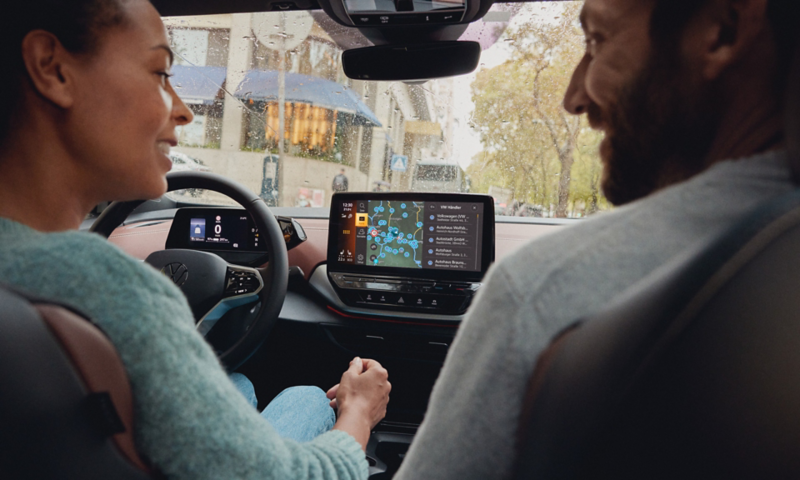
x=243 y=286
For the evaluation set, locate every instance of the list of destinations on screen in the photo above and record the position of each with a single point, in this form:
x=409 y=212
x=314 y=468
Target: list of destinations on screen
x=411 y=234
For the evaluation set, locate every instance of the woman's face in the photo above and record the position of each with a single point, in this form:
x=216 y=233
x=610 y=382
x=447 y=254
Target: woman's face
x=122 y=122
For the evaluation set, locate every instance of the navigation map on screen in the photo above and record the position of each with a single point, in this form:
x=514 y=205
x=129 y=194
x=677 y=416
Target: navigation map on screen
x=395 y=234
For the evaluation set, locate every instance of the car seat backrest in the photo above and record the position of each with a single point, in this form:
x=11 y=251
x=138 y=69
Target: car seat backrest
x=693 y=373
x=66 y=407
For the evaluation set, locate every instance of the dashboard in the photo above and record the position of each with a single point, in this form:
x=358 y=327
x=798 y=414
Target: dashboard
x=149 y=231
x=387 y=253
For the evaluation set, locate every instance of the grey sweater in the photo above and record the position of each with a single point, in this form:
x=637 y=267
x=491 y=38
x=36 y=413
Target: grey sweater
x=190 y=419
x=471 y=422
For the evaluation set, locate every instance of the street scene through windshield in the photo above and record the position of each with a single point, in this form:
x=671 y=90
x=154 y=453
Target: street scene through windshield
x=500 y=131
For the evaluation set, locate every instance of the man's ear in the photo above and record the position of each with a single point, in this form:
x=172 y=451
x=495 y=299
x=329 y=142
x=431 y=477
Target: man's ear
x=731 y=28
x=44 y=57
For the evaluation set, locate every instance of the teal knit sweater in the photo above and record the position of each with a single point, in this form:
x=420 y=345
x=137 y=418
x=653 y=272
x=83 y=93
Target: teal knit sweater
x=190 y=420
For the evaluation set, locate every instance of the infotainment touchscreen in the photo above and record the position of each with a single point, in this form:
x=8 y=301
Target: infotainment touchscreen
x=411 y=233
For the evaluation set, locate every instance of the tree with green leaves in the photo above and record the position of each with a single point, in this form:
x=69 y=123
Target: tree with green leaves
x=531 y=145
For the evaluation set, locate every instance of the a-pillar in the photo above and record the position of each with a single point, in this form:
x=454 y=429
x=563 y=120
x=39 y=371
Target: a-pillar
x=240 y=57
x=377 y=154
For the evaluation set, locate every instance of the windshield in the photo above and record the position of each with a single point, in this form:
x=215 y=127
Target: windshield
x=274 y=111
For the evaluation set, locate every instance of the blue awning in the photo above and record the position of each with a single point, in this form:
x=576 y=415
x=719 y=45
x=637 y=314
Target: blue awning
x=198 y=85
x=263 y=85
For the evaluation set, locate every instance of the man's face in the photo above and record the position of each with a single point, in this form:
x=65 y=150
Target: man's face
x=657 y=116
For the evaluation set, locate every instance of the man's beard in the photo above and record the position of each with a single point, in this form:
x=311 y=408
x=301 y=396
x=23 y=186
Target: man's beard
x=660 y=131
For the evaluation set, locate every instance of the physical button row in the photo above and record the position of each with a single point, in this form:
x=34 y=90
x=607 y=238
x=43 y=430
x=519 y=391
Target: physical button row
x=392 y=280
x=414 y=301
x=403 y=285
x=239 y=283
x=407 y=19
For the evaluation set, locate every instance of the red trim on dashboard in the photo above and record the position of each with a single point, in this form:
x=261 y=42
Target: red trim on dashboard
x=401 y=322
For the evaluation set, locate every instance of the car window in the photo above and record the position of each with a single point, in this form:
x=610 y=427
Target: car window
x=500 y=130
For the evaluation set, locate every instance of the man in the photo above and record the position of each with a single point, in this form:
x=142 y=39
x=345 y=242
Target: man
x=340 y=182
x=689 y=95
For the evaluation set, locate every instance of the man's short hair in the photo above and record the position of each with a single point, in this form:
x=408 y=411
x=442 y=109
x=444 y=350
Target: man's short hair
x=670 y=18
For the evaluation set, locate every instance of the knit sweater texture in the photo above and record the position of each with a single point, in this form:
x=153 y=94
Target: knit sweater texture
x=190 y=420
x=529 y=296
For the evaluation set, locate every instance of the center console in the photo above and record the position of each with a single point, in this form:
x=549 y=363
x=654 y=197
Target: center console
x=410 y=252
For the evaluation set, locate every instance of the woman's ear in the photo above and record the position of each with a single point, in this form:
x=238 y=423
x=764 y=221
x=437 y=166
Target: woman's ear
x=732 y=29
x=44 y=57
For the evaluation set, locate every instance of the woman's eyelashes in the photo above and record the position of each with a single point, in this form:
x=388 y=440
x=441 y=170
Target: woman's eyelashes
x=165 y=76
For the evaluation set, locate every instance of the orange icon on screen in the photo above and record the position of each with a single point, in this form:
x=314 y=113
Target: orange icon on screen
x=361 y=219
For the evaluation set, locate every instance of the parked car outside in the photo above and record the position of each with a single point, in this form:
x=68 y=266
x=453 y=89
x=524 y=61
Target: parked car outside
x=182 y=162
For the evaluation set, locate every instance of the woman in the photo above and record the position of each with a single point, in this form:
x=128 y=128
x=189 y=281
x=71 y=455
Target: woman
x=89 y=115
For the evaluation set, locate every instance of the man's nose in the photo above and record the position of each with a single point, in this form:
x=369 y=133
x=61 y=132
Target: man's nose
x=576 y=101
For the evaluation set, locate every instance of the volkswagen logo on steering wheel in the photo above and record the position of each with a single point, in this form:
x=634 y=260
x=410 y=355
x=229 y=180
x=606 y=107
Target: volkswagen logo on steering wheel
x=177 y=272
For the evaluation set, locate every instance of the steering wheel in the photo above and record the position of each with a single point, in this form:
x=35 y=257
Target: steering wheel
x=214 y=287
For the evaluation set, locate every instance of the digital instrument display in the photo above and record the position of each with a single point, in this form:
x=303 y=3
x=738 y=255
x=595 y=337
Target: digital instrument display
x=229 y=232
x=411 y=233
x=216 y=229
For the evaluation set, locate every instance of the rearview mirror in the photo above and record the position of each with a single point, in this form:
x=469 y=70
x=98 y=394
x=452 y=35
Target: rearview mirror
x=411 y=62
